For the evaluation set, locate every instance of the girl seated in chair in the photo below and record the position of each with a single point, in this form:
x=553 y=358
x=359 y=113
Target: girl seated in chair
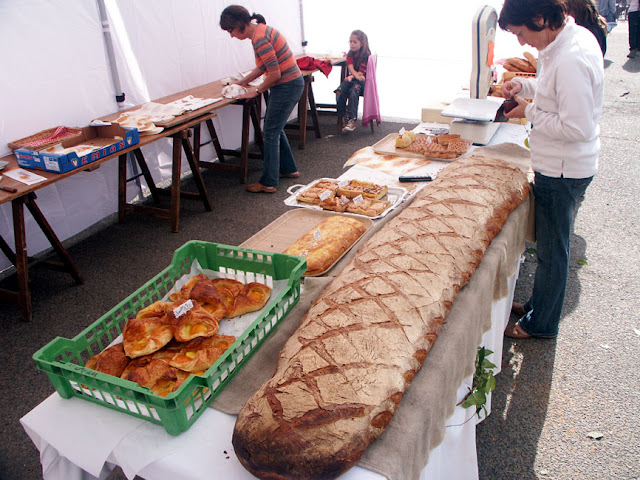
x=352 y=87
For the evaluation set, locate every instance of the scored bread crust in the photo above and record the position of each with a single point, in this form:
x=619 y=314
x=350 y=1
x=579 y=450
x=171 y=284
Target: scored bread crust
x=342 y=374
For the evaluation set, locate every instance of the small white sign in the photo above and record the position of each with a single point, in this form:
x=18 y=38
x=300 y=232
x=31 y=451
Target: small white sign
x=357 y=200
x=326 y=194
x=182 y=308
x=317 y=234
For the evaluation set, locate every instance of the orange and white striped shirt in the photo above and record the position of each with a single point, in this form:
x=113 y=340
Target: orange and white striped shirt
x=273 y=53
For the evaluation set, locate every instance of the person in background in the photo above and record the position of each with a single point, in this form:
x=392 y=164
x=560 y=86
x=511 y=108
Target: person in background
x=352 y=87
x=585 y=13
x=566 y=110
x=633 y=17
x=608 y=9
x=284 y=81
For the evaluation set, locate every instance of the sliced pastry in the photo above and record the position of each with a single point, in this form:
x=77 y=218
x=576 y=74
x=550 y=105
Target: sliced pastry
x=369 y=207
x=366 y=189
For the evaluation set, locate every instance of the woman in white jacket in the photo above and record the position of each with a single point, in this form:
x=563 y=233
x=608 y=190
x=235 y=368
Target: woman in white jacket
x=567 y=105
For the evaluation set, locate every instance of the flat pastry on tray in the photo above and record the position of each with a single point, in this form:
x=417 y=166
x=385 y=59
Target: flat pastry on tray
x=366 y=189
x=326 y=243
x=368 y=206
x=318 y=191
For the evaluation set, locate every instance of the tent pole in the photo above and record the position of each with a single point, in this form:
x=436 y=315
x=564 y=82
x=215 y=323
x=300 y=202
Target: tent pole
x=304 y=40
x=110 y=55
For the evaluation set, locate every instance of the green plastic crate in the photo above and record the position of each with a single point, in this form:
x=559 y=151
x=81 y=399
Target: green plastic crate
x=63 y=359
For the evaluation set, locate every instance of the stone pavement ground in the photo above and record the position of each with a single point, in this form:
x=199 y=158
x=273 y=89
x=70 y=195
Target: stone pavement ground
x=569 y=408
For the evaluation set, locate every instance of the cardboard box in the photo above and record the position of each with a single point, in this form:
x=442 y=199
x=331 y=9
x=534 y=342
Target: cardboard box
x=108 y=139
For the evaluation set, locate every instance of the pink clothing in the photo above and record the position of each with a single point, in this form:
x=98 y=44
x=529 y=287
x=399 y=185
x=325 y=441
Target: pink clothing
x=371 y=105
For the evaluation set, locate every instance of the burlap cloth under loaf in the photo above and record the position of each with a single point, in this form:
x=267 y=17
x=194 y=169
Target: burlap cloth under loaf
x=418 y=426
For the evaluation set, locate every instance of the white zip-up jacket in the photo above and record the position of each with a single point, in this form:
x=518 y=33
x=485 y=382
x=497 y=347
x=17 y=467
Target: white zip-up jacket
x=567 y=104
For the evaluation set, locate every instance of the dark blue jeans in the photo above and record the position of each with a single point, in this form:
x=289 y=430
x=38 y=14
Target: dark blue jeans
x=349 y=90
x=555 y=203
x=278 y=157
x=634 y=30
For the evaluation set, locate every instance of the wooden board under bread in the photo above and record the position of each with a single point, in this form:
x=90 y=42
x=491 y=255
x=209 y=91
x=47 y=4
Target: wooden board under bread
x=290 y=226
x=387 y=146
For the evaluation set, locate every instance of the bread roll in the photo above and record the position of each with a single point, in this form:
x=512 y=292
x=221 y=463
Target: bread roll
x=342 y=374
x=532 y=60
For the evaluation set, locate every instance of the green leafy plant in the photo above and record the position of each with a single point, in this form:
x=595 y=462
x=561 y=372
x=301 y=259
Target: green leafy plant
x=483 y=383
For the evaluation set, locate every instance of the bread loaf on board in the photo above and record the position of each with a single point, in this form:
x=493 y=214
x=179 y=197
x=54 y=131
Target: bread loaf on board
x=342 y=374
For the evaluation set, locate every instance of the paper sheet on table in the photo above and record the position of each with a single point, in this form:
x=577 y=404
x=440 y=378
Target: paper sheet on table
x=191 y=103
x=391 y=164
x=24 y=176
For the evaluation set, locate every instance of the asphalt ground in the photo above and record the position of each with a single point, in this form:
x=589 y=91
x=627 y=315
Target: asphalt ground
x=566 y=408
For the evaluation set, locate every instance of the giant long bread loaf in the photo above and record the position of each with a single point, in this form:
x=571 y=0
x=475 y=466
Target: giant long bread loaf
x=342 y=374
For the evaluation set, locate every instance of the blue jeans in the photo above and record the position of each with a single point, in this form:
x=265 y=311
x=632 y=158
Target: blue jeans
x=278 y=157
x=634 y=30
x=555 y=203
x=351 y=91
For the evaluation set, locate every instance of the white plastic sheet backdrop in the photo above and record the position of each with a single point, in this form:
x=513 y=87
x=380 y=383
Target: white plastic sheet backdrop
x=57 y=73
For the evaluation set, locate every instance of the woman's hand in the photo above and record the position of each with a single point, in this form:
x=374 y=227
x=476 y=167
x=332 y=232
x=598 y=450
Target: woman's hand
x=360 y=77
x=511 y=88
x=518 y=110
x=249 y=94
x=348 y=78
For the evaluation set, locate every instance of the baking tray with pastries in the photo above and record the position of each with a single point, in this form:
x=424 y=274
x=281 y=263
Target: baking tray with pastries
x=180 y=338
x=440 y=147
x=354 y=196
x=169 y=340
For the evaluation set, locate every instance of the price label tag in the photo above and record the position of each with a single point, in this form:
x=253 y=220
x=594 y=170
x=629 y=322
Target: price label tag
x=343 y=183
x=326 y=194
x=358 y=200
x=317 y=234
x=182 y=308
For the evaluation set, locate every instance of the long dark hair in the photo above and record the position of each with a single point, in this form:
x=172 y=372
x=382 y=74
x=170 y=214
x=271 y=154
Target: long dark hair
x=526 y=12
x=361 y=55
x=236 y=16
x=585 y=13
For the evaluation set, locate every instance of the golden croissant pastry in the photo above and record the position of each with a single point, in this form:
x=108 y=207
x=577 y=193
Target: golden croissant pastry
x=197 y=355
x=111 y=360
x=160 y=377
x=187 y=324
x=142 y=336
x=252 y=298
x=156 y=309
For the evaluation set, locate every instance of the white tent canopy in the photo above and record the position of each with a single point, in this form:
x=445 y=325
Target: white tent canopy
x=57 y=72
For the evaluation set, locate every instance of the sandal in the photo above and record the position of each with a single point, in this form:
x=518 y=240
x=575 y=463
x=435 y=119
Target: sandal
x=258 y=187
x=516 y=331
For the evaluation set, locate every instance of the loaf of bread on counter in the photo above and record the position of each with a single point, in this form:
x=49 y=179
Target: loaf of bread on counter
x=342 y=374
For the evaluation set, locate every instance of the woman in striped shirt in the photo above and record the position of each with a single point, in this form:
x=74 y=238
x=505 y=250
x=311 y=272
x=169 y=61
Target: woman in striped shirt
x=284 y=80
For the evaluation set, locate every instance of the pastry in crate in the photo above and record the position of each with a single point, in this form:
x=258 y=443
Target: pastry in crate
x=112 y=360
x=157 y=375
x=196 y=355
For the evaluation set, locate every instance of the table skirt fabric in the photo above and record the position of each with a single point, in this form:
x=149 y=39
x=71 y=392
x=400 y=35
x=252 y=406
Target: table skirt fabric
x=478 y=317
